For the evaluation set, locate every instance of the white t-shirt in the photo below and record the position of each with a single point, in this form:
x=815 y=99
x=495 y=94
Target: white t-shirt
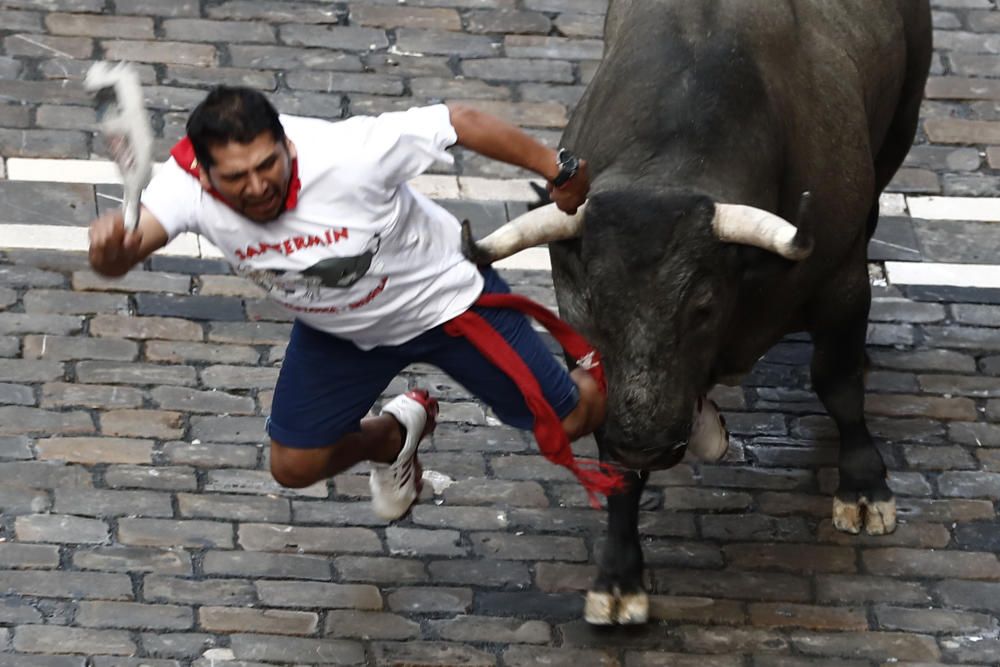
x=362 y=255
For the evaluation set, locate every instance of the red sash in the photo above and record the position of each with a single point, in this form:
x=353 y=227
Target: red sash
x=596 y=477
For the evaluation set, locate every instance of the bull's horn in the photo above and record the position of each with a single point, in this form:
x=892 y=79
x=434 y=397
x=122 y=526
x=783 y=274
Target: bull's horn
x=542 y=225
x=735 y=223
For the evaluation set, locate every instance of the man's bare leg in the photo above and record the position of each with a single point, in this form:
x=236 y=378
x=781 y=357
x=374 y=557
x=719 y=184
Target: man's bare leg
x=380 y=440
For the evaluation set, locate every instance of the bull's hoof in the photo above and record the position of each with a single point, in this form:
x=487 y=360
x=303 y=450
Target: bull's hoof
x=876 y=517
x=616 y=608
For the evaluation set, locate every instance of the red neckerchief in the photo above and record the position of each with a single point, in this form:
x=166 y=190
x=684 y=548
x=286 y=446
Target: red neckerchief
x=183 y=154
x=596 y=477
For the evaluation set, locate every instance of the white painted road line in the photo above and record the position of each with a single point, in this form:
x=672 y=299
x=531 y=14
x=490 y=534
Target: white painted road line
x=943 y=275
x=982 y=209
x=70 y=238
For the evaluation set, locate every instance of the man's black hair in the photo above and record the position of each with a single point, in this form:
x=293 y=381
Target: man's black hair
x=231 y=114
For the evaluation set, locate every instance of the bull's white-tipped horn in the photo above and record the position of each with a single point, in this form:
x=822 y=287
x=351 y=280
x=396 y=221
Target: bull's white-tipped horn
x=735 y=223
x=542 y=225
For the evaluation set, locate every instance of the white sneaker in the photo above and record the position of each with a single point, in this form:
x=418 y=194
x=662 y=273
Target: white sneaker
x=709 y=439
x=395 y=486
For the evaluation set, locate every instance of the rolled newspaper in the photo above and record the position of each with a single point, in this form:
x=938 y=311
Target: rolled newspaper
x=125 y=126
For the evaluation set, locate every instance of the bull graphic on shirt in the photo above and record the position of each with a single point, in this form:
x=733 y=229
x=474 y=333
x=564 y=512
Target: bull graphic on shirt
x=332 y=272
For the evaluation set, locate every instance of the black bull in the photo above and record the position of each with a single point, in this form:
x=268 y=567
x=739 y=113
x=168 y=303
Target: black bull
x=752 y=102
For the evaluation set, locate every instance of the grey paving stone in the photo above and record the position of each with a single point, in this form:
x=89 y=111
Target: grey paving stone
x=46 y=203
x=239 y=377
x=10 y=115
x=21 y=21
x=184 y=75
x=42 y=92
x=65 y=302
x=24 y=660
x=110 y=661
x=149 y=477
x=414 y=542
x=16 y=447
x=325 y=595
x=66 y=118
x=190 y=400
x=179 y=352
x=101 y=372
x=292 y=58
x=271 y=621
x=301 y=539
x=433 y=18
x=176 y=644
x=210 y=455
x=510 y=69
x=134 y=615
x=339 y=82
x=430 y=600
x=228 y=429
x=61 y=529
x=249 y=333
x=394 y=570
x=507 y=21
x=483 y=492
x=228 y=592
x=43 y=143
x=10 y=346
x=134 y=281
x=99 y=26
x=480 y=572
x=435 y=42
x=200 y=30
x=66 y=348
x=55 y=584
x=18 y=420
x=233 y=507
x=103 y=503
x=189 y=265
x=170 y=561
x=265 y=565
x=336 y=37
x=15 y=555
x=270 y=648
x=945 y=241
x=202 y=308
x=370 y=625
x=163 y=533
x=16 y=394
x=64 y=394
x=550 y=607
x=38 y=639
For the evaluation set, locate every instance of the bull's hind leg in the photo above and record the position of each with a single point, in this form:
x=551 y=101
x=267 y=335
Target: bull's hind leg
x=863 y=498
x=618 y=596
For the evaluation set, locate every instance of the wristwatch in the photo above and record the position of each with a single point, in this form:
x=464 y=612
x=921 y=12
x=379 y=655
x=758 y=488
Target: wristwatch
x=569 y=164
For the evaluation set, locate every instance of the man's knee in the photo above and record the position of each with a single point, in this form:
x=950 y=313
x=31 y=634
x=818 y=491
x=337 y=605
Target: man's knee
x=295 y=468
x=590 y=410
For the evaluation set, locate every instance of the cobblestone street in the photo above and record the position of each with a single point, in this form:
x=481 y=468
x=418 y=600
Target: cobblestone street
x=139 y=525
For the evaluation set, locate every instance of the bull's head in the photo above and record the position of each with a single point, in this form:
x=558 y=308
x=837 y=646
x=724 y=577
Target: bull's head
x=659 y=287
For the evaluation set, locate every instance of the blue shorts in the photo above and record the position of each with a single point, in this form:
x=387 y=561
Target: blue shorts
x=327 y=384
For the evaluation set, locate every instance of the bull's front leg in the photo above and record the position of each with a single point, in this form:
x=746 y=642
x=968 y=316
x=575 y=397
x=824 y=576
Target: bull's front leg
x=618 y=595
x=863 y=498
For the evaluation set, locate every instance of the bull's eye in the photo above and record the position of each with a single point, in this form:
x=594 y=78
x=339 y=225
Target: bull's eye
x=700 y=308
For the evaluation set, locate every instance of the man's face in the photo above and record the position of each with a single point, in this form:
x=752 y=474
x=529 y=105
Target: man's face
x=253 y=178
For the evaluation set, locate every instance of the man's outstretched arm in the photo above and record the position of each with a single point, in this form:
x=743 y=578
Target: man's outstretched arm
x=495 y=138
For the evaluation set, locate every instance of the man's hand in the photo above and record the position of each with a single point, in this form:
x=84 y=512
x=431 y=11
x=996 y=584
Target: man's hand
x=571 y=194
x=113 y=251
